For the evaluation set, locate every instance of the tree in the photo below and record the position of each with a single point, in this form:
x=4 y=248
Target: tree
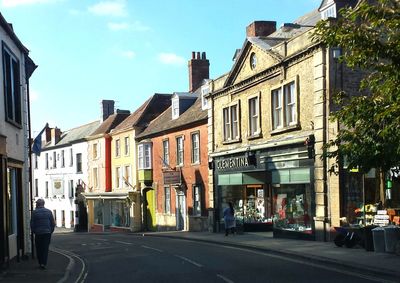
x=369 y=133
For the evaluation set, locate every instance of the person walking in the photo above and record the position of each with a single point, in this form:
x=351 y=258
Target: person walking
x=42 y=225
x=229 y=219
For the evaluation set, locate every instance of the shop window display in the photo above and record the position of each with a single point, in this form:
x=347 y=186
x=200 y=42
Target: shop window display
x=119 y=214
x=291 y=207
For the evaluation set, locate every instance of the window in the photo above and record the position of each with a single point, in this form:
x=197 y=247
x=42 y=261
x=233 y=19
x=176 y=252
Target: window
x=95 y=151
x=254 y=118
x=231 y=123
x=47 y=161
x=179 y=151
x=36 y=187
x=55 y=215
x=126 y=149
x=144 y=156
x=79 y=163
x=95 y=177
x=196 y=148
x=205 y=89
x=71 y=188
x=54 y=159
x=12 y=90
x=36 y=161
x=62 y=159
x=330 y=12
x=197 y=200
x=167 y=204
x=47 y=189
x=165 y=153
x=117 y=147
x=71 y=157
x=284 y=106
x=118 y=181
x=175 y=107
x=127 y=175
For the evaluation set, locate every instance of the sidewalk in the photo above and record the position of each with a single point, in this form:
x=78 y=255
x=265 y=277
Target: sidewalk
x=357 y=259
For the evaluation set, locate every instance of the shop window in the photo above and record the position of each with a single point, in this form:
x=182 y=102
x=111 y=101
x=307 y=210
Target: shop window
x=292 y=207
x=120 y=213
x=13 y=181
x=231 y=123
x=98 y=211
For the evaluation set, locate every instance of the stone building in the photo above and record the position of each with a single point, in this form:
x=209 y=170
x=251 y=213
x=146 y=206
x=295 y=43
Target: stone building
x=268 y=121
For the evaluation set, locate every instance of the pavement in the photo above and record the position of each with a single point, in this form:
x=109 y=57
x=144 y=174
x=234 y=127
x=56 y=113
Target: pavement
x=357 y=259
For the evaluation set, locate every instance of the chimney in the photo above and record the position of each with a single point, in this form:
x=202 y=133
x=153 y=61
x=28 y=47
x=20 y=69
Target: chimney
x=48 y=134
x=55 y=135
x=260 y=28
x=107 y=108
x=198 y=70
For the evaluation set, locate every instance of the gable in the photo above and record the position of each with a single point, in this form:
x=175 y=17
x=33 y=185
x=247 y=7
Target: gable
x=255 y=57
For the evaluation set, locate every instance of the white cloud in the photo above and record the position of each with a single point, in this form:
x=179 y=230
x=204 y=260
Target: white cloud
x=128 y=54
x=109 y=8
x=138 y=26
x=171 y=59
x=118 y=26
x=14 y=3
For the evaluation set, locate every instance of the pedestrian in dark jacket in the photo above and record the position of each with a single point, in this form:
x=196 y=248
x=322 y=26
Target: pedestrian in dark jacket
x=42 y=225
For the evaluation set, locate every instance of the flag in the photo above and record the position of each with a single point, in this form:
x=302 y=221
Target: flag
x=37 y=142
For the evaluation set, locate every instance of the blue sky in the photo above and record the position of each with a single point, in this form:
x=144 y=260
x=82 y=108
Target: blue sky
x=127 y=50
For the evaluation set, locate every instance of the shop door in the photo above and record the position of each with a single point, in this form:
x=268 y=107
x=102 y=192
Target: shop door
x=180 y=211
x=150 y=210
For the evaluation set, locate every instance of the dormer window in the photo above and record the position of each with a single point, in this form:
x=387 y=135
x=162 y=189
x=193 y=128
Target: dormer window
x=329 y=12
x=205 y=89
x=175 y=107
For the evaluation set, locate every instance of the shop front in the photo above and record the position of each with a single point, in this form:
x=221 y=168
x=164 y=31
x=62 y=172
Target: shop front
x=271 y=190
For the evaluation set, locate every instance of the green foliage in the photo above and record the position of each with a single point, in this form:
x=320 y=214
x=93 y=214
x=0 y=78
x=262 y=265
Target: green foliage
x=369 y=35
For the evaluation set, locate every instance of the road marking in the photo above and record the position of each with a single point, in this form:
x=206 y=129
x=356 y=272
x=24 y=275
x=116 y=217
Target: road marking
x=71 y=264
x=190 y=261
x=154 y=249
x=105 y=240
x=224 y=278
x=126 y=243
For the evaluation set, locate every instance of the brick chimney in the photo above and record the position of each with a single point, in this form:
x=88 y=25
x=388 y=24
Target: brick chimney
x=107 y=108
x=47 y=135
x=260 y=28
x=198 y=70
x=55 y=135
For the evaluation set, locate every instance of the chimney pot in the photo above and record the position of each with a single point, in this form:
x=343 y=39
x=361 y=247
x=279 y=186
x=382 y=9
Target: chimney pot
x=198 y=56
x=198 y=70
x=193 y=55
x=203 y=56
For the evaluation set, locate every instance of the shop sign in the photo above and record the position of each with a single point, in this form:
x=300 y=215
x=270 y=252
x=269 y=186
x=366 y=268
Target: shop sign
x=232 y=163
x=172 y=177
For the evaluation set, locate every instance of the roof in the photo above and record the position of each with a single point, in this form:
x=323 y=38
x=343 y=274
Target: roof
x=110 y=123
x=149 y=110
x=9 y=30
x=164 y=122
x=75 y=135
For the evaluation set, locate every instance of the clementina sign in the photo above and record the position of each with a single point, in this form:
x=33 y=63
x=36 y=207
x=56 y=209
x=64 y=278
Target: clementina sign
x=172 y=177
x=231 y=163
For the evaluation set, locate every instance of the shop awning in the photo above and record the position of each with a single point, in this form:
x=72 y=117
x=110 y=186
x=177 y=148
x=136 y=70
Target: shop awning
x=106 y=195
x=291 y=176
x=247 y=178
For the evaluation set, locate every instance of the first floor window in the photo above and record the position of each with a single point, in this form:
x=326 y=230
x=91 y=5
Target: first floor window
x=144 y=156
x=231 y=123
x=196 y=148
x=95 y=178
x=36 y=187
x=167 y=205
x=118 y=181
x=47 y=189
x=71 y=188
x=284 y=106
x=254 y=109
x=79 y=163
x=12 y=87
x=166 y=153
x=179 y=151
x=127 y=175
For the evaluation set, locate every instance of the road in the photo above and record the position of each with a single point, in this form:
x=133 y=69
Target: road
x=132 y=258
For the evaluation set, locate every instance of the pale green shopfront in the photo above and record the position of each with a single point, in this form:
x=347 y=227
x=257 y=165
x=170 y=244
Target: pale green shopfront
x=271 y=190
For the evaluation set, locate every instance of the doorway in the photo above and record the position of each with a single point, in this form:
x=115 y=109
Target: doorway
x=180 y=211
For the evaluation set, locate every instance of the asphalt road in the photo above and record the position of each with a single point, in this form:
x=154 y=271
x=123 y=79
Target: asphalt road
x=129 y=258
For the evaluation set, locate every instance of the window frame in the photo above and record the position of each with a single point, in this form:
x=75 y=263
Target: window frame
x=117 y=148
x=165 y=161
x=288 y=115
x=231 y=123
x=197 y=204
x=175 y=107
x=118 y=177
x=180 y=152
x=254 y=116
x=167 y=200
x=195 y=150
x=144 y=156
x=79 y=163
x=126 y=146
x=13 y=100
x=95 y=151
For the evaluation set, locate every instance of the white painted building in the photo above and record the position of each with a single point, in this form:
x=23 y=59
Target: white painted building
x=15 y=70
x=61 y=166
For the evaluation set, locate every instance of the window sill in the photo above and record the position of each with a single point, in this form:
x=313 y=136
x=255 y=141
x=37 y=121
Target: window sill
x=285 y=129
x=195 y=164
x=256 y=136
x=232 y=141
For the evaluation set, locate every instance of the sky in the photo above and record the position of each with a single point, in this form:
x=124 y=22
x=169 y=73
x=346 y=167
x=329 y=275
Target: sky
x=127 y=50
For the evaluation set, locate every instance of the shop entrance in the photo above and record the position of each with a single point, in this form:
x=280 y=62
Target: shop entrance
x=180 y=211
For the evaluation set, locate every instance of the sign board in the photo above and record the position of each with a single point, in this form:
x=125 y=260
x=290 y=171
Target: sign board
x=58 y=187
x=172 y=177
